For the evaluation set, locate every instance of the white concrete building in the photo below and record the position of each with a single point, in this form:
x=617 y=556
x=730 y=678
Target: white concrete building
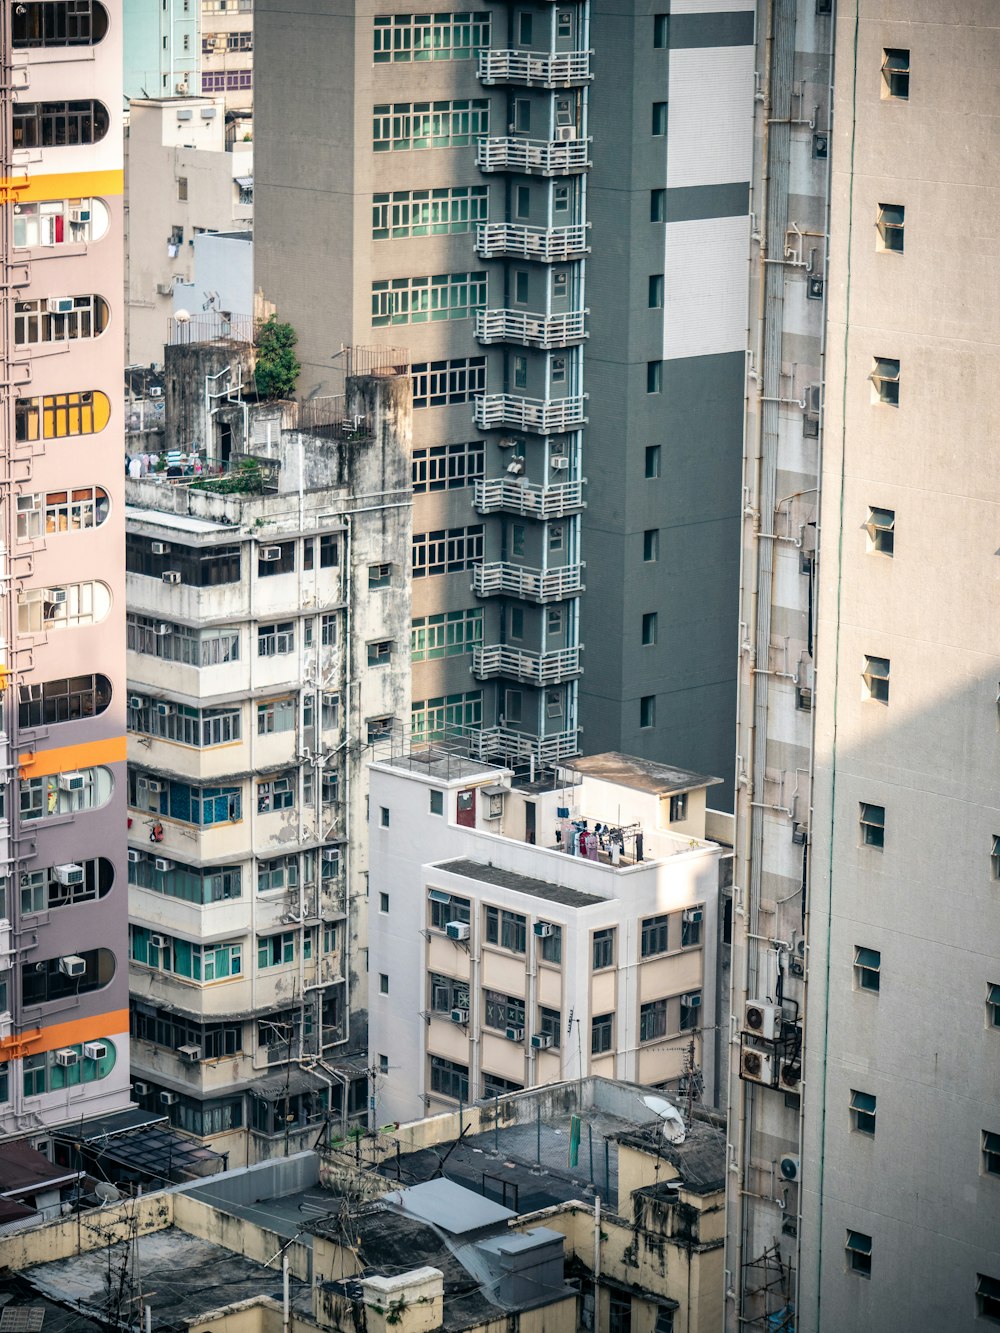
x=500 y=960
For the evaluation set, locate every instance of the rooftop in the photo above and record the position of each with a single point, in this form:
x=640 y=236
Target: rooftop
x=439 y=763
x=646 y=775
x=508 y=879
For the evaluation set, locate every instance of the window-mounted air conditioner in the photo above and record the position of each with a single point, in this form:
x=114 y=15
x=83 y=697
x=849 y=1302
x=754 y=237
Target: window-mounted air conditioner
x=67 y=1057
x=68 y=874
x=70 y=781
x=694 y=915
x=269 y=553
x=72 y=965
x=514 y=1033
x=29 y=504
x=162 y=630
x=135 y=701
x=460 y=1016
x=160 y=548
x=457 y=930
x=162 y=864
x=169 y=1098
x=189 y=1054
x=559 y=462
x=541 y=1041
x=171 y=576
x=59 y=305
x=153 y=785
x=140 y=1089
x=692 y=1000
x=165 y=710
x=543 y=929
x=79 y=215
x=95 y=1050
x=134 y=856
x=157 y=941
x=55 y=596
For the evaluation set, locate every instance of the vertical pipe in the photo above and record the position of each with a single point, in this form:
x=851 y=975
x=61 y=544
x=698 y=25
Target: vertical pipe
x=286 y=1313
x=590 y=1147
x=538 y=1133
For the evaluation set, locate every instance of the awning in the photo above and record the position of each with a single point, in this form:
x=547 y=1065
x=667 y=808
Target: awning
x=289 y=1082
x=244 y=182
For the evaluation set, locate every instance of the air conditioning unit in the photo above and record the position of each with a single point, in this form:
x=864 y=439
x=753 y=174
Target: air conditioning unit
x=160 y=548
x=541 y=1041
x=68 y=874
x=163 y=289
x=692 y=1000
x=59 y=305
x=140 y=1089
x=460 y=1016
x=70 y=781
x=134 y=856
x=269 y=553
x=153 y=785
x=135 y=701
x=559 y=462
x=694 y=915
x=171 y=576
x=757 y=1066
x=181 y=88
x=514 y=1033
x=790 y=1167
x=95 y=1050
x=790 y=1074
x=157 y=941
x=79 y=215
x=162 y=864
x=72 y=965
x=162 y=630
x=543 y=929
x=566 y=133
x=165 y=710
x=29 y=504
x=762 y=1019
x=189 y=1054
x=55 y=596
x=457 y=930
x=169 y=1098
x=66 y=1057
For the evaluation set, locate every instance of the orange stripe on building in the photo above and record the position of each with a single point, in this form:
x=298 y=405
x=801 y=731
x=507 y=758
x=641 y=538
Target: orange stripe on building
x=69 y=758
x=64 y=185
x=74 y=1033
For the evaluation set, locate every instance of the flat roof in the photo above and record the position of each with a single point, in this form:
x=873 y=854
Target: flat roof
x=438 y=763
x=445 y=1204
x=509 y=879
x=647 y=775
x=181 y=522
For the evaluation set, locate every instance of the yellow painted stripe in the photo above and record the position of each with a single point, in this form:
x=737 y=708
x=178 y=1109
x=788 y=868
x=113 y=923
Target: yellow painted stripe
x=66 y=185
x=57 y=1035
x=71 y=757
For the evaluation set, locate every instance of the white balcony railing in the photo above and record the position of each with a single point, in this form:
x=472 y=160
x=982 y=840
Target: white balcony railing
x=541 y=416
x=507 y=746
x=549 y=245
x=519 y=497
x=534 y=157
x=531 y=330
x=500 y=659
x=558 y=69
x=498 y=578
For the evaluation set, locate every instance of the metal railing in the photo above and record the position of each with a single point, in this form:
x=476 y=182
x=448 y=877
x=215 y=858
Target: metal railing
x=534 y=585
x=558 y=69
x=213 y=328
x=519 y=497
x=550 y=245
x=328 y=416
x=500 y=659
x=535 y=157
x=502 y=745
x=541 y=416
x=531 y=330
x=375 y=360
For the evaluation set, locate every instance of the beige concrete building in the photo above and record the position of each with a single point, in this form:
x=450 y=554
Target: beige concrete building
x=864 y=1140
x=227 y=51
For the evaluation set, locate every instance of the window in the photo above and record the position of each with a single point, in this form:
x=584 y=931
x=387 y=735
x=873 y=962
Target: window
x=876 y=678
x=653 y=1020
x=383 y=1064
x=501 y=1011
x=383 y=983
x=447 y=551
x=59 y=319
x=652 y=462
x=995 y=856
x=654 y=936
x=59 y=124
x=409 y=37
x=993 y=1004
x=62 y=23
x=384 y=816
x=183 y=802
x=275 y=559
x=655 y=296
x=182 y=188
x=449 y=1079
x=419 y=300
x=69 y=699
x=328 y=631
x=380 y=653
x=991 y=1153
x=383 y=902
x=517 y=622
x=280 y=873
x=380 y=576
x=379 y=729
x=522 y=202
x=60 y=415
x=446 y=715
x=872 y=825
x=891 y=219
x=276 y=716
x=509 y=930
x=659 y=118
x=178 y=643
x=200 y=568
x=885 y=381
x=196 y=962
x=51 y=512
x=234 y=80
x=558 y=370
x=448 y=634
x=647 y=711
x=678 y=807
x=446 y=907
x=64 y=793
x=649 y=622
x=690 y=1009
x=52 y=222
x=691 y=927
x=183 y=725
x=651 y=545
x=41 y=891
x=657 y=205
x=276 y=640
x=405 y=213
x=619 y=1312
x=522 y=115
x=863 y=1112
x=560 y=199
x=445 y=383
x=520 y=372
x=859 y=1253
x=661 y=31
x=604 y=948
x=664 y=1320
x=436 y=801
x=881 y=530
x=276 y=794
x=524 y=27
x=276 y=950
x=988 y=1298
x=601 y=1033
x=867 y=968
x=896 y=73
x=402 y=126
x=329 y=551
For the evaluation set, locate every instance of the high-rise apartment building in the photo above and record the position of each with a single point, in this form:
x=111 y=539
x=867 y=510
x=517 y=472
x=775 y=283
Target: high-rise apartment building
x=454 y=181
x=64 y=979
x=180 y=48
x=866 y=945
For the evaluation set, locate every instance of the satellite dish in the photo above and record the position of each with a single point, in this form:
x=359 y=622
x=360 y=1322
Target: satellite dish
x=106 y=1192
x=182 y=316
x=673 y=1122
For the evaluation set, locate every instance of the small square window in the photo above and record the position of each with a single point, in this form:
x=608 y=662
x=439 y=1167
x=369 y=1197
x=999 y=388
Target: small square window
x=383 y=902
x=859 y=1253
x=890 y=227
x=991 y=1153
x=896 y=73
x=383 y=1064
x=436 y=802
x=876 y=678
x=383 y=983
x=988 y=1298
x=647 y=711
x=885 y=381
x=380 y=653
x=872 y=825
x=881 y=530
x=657 y=205
x=678 y=807
x=652 y=467
x=655 y=297
x=863 y=1112
x=993 y=1004
x=659 y=118
x=651 y=545
x=649 y=628
x=867 y=968
x=661 y=31
x=384 y=816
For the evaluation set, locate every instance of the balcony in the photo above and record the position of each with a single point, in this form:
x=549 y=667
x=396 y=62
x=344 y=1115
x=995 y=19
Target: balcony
x=558 y=69
x=500 y=659
x=502 y=745
x=499 y=579
x=530 y=330
x=541 y=416
x=519 y=497
x=533 y=157
x=549 y=245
